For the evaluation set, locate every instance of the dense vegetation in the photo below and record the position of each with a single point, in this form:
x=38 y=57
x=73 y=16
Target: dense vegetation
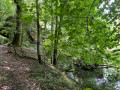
x=69 y=34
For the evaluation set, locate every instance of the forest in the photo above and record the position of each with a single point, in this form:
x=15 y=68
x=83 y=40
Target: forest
x=59 y=44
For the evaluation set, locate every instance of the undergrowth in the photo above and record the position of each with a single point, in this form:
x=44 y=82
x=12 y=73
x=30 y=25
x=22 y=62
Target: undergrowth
x=49 y=78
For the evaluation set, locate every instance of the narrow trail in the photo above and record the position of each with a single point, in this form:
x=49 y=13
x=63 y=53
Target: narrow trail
x=15 y=71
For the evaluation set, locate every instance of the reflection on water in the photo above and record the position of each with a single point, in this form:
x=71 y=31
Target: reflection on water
x=107 y=79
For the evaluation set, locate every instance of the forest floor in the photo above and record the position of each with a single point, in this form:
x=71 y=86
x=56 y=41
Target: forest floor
x=16 y=74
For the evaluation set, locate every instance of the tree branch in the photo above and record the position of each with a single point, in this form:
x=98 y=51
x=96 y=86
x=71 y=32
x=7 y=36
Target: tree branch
x=91 y=7
x=89 y=14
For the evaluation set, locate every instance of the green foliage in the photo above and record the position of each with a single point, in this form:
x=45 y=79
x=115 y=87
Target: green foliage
x=79 y=34
x=87 y=29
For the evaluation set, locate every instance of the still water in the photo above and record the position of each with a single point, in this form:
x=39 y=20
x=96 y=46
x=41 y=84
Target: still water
x=103 y=79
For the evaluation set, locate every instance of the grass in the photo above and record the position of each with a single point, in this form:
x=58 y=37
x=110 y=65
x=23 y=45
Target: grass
x=51 y=78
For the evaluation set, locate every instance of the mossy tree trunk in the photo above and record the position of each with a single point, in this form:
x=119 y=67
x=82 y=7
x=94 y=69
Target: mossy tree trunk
x=17 y=33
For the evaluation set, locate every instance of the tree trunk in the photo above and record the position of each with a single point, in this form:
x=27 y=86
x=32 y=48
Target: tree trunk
x=55 y=41
x=52 y=31
x=57 y=32
x=17 y=34
x=43 y=39
x=55 y=44
x=38 y=33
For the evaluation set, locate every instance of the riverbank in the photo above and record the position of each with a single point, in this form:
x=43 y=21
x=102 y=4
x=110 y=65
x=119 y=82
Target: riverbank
x=18 y=73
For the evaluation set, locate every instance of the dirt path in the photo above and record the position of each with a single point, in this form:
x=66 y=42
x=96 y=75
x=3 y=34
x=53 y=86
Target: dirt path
x=14 y=72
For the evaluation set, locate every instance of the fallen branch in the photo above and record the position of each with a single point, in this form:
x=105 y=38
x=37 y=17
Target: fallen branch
x=108 y=66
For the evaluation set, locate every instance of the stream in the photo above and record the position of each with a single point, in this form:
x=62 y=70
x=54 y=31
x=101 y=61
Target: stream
x=104 y=79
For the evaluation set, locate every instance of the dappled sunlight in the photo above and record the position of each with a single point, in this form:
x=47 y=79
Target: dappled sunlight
x=5 y=88
x=25 y=68
x=7 y=68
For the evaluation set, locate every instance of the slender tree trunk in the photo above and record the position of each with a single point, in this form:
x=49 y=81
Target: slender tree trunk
x=43 y=40
x=17 y=34
x=55 y=44
x=38 y=33
x=55 y=41
x=52 y=31
x=57 y=31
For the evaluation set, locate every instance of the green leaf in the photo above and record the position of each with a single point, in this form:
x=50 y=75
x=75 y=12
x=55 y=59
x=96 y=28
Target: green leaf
x=51 y=37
